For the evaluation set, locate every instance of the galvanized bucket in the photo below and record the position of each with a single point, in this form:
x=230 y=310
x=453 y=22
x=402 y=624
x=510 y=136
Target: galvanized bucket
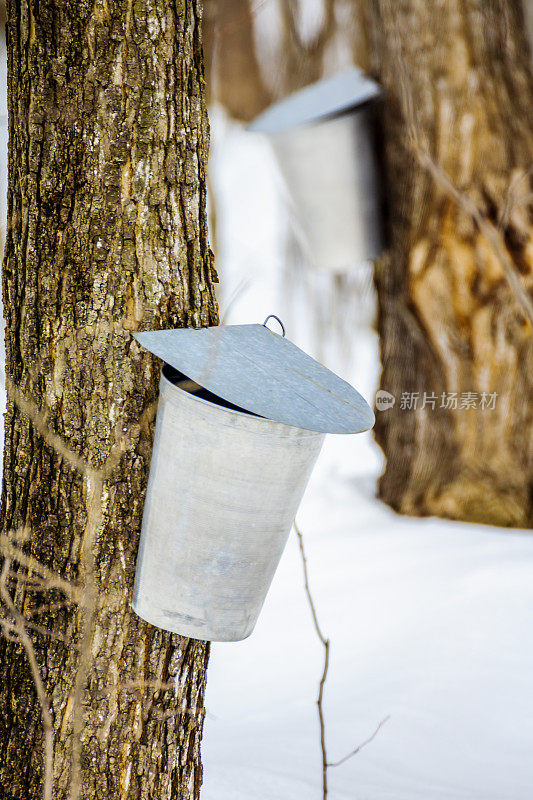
x=323 y=138
x=225 y=482
x=223 y=492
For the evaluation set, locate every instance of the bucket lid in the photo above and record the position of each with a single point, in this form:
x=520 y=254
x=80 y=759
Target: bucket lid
x=254 y=368
x=324 y=98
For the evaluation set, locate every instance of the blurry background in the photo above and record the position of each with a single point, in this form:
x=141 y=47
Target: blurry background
x=429 y=619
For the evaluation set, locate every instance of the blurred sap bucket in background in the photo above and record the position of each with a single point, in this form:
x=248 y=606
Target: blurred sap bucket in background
x=324 y=140
x=241 y=419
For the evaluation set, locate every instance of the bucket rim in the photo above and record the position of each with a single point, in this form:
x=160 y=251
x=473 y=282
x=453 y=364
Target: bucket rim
x=255 y=420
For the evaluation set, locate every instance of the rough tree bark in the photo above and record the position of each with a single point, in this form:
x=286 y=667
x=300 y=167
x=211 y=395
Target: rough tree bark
x=459 y=72
x=107 y=234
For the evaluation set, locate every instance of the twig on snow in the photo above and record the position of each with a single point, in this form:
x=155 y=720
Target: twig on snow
x=320 y=699
x=360 y=747
x=325 y=644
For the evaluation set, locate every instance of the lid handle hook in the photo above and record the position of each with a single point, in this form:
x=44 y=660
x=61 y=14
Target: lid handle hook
x=273 y=316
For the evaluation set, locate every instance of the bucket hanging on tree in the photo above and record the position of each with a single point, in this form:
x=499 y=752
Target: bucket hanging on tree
x=241 y=419
x=324 y=140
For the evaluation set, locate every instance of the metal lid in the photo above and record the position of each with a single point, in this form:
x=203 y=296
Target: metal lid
x=324 y=98
x=254 y=368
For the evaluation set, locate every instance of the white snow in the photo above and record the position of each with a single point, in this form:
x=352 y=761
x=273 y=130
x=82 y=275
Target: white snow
x=430 y=621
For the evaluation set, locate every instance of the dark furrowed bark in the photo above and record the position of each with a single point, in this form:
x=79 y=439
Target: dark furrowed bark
x=106 y=235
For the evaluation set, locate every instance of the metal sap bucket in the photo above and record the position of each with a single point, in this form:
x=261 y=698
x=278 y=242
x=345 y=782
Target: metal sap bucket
x=225 y=481
x=323 y=138
x=223 y=492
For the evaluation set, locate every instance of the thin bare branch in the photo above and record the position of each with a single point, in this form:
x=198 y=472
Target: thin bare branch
x=131 y=686
x=489 y=231
x=7 y=631
x=51 y=580
x=89 y=608
x=360 y=747
x=321 y=686
x=323 y=36
x=46 y=608
x=515 y=197
x=11 y=627
x=41 y=424
x=320 y=700
x=48 y=738
x=31 y=583
x=307 y=586
x=87 y=594
x=421 y=151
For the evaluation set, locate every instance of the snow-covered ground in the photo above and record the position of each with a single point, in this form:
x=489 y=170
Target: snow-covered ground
x=430 y=621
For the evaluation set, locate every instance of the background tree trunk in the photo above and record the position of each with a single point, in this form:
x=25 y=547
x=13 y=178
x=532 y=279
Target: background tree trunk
x=252 y=64
x=106 y=235
x=458 y=74
x=233 y=72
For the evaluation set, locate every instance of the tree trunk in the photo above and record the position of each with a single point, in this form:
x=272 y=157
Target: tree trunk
x=106 y=235
x=457 y=75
